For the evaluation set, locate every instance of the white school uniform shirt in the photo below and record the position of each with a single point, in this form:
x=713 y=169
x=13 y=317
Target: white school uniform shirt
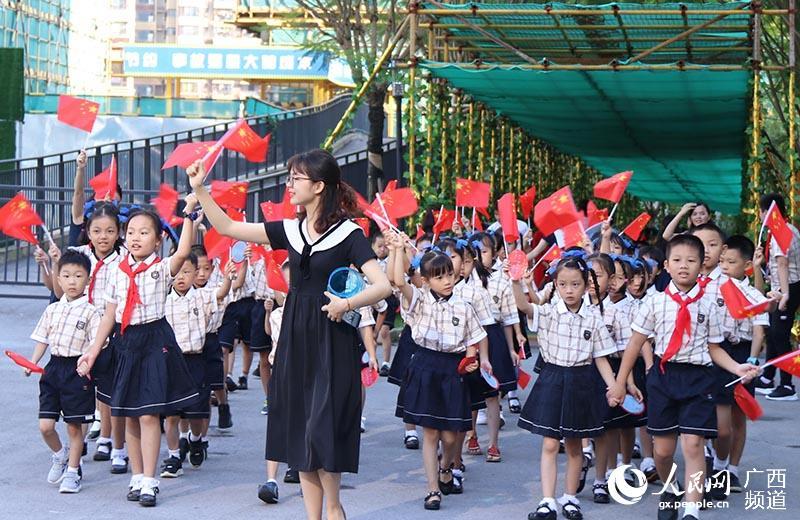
x=479 y=298
x=503 y=307
x=570 y=339
x=711 y=290
x=246 y=290
x=68 y=327
x=616 y=322
x=793 y=256
x=367 y=316
x=445 y=325
x=215 y=279
x=258 y=272
x=275 y=320
x=657 y=315
x=188 y=316
x=742 y=330
x=214 y=321
x=154 y=285
x=110 y=263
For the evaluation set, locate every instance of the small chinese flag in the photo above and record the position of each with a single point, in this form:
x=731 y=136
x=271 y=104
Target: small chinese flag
x=236 y=215
x=217 y=246
x=363 y=224
x=613 y=188
x=778 y=228
x=789 y=362
x=272 y=211
x=555 y=212
x=374 y=212
x=444 y=219
x=243 y=139
x=552 y=254
x=229 y=194
x=635 y=228
x=275 y=279
x=508 y=217
x=187 y=153
x=166 y=202
x=391 y=185
x=472 y=194
x=747 y=403
x=16 y=218
x=595 y=215
x=572 y=235
x=104 y=183
x=738 y=305
x=523 y=378
x=526 y=201
x=399 y=203
x=77 y=112
x=420 y=232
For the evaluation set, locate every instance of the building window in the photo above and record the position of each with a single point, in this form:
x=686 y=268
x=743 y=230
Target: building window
x=144 y=36
x=188 y=30
x=189 y=11
x=118 y=4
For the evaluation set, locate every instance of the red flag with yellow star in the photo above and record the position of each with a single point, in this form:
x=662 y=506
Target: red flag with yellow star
x=229 y=194
x=166 y=202
x=244 y=140
x=778 y=228
x=526 y=201
x=507 y=214
x=472 y=194
x=187 y=153
x=217 y=246
x=555 y=211
x=613 y=188
x=594 y=214
x=399 y=203
x=552 y=254
x=572 y=235
x=16 y=218
x=363 y=223
x=789 y=362
x=275 y=279
x=104 y=183
x=77 y=112
x=747 y=403
x=635 y=228
x=443 y=221
x=738 y=305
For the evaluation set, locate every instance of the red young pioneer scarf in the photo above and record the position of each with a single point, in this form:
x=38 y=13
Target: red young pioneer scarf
x=132 y=299
x=93 y=278
x=683 y=323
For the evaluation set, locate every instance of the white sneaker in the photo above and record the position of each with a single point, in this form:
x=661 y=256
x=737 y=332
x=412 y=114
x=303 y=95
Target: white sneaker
x=57 y=470
x=70 y=483
x=363 y=421
x=481 y=417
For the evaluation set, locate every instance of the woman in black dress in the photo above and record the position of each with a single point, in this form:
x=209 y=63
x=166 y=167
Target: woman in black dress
x=315 y=388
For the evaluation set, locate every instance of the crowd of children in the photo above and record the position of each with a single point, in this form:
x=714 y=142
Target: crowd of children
x=148 y=342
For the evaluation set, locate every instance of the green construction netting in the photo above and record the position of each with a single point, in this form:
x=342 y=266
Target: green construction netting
x=681 y=132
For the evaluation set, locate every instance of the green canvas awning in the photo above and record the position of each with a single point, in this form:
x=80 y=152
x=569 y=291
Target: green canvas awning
x=681 y=132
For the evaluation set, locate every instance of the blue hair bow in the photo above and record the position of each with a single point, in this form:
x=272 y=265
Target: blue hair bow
x=476 y=244
x=166 y=227
x=461 y=243
x=435 y=249
x=575 y=253
x=125 y=212
x=416 y=261
x=652 y=263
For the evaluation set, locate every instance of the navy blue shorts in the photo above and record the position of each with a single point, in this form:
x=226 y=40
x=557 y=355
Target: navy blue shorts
x=62 y=392
x=260 y=341
x=236 y=323
x=391 y=311
x=617 y=417
x=566 y=402
x=681 y=400
x=215 y=369
x=739 y=352
x=199 y=408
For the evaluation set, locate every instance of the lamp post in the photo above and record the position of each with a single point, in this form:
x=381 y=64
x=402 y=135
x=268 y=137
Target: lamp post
x=397 y=93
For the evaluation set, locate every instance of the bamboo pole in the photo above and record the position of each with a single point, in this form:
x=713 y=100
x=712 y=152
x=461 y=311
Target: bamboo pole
x=520 y=139
x=457 y=126
x=793 y=177
x=482 y=152
x=429 y=119
x=755 y=176
x=501 y=180
x=492 y=161
x=412 y=92
x=443 y=114
x=470 y=146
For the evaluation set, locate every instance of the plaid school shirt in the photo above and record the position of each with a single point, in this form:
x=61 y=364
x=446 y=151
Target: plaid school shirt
x=570 y=339
x=154 y=285
x=479 y=298
x=504 y=310
x=68 y=327
x=214 y=321
x=742 y=330
x=258 y=272
x=246 y=290
x=616 y=322
x=102 y=275
x=711 y=291
x=367 y=316
x=658 y=313
x=188 y=315
x=445 y=325
x=793 y=256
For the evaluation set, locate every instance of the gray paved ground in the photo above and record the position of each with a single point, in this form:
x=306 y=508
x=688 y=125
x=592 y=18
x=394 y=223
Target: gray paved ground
x=390 y=484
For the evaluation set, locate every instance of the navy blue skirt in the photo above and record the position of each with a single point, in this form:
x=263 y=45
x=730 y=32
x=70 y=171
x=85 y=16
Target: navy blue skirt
x=617 y=417
x=215 y=369
x=150 y=374
x=103 y=371
x=500 y=358
x=566 y=402
x=433 y=394
x=197 y=408
x=405 y=349
x=479 y=390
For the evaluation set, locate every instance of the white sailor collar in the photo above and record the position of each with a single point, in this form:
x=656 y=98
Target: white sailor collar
x=294 y=227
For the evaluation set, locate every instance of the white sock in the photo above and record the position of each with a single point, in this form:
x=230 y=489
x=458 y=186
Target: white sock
x=565 y=499
x=175 y=453
x=588 y=449
x=619 y=459
x=411 y=433
x=733 y=469
x=62 y=453
x=550 y=501
x=647 y=463
x=184 y=435
x=599 y=481
x=121 y=453
x=149 y=483
x=70 y=469
x=720 y=464
x=136 y=481
x=103 y=440
x=192 y=438
x=691 y=509
x=272 y=480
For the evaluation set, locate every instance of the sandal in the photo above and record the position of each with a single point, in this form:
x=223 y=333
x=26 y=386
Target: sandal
x=572 y=511
x=514 y=405
x=446 y=487
x=587 y=462
x=473 y=447
x=600 y=492
x=433 y=501
x=543 y=512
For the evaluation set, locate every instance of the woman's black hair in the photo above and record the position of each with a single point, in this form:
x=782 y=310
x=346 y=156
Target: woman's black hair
x=697 y=205
x=338 y=198
x=435 y=263
x=101 y=209
x=578 y=264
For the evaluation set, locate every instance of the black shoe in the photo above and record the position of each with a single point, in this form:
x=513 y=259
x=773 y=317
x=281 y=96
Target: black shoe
x=446 y=487
x=183 y=446
x=689 y=517
x=719 y=481
x=268 y=492
x=119 y=466
x=133 y=494
x=85 y=450
x=783 y=393
x=637 y=451
x=411 y=442
x=148 y=499
x=667 y=506
x=514 y=405
x=292 y=476
x=762 y=385
x=242 y=384
x=736 y=486
x=205 y=450
x=230 y=384
x=458 y=485
x=587 y=462
x=571 y=511
x=171 y=468
x=652 y=475
x=600 y=492
x=433 y=501
x=101 y=455
x=543 y=512
x=384 y=371
x=196 y=455
x=256 y=372
x=225 y=420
